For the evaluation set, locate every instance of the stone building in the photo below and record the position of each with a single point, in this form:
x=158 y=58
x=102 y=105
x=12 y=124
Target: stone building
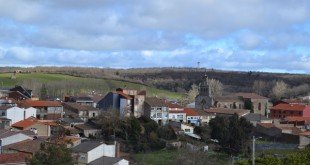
x=204 y=99
x=251 y=101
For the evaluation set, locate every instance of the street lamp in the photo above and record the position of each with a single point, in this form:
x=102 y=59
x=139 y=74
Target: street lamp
x=253 y=149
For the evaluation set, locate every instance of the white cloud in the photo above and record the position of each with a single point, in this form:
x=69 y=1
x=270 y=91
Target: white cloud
x=230 y=34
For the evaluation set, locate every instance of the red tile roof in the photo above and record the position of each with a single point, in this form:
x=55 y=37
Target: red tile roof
x=14 y=158
x=291 y=107
x=298 y=118
x=191 y=112
x=172 y=105
x=40 y=103
x=25 y=123
x=266 y=125
x=307 y=133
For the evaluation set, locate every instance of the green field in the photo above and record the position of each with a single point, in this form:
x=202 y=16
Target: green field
x=33 y=80
x=155 y=158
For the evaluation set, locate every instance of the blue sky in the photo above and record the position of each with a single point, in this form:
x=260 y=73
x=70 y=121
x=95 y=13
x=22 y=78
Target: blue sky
x=256 y=35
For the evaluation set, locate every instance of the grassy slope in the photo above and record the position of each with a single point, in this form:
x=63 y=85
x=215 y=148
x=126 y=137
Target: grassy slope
x=155 y=158
x=104 y=83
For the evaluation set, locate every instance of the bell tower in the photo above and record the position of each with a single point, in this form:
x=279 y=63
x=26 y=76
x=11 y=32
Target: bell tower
x=204 y=99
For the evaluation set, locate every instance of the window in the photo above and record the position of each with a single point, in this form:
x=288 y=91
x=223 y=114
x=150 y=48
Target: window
x=259 y=106
x=3 y=114
x=187 y=130
x=180 y=116
x=159 y=115
x=173 y=116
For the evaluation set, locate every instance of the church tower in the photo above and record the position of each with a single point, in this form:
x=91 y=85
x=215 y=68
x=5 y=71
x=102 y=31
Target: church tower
x=204 y=99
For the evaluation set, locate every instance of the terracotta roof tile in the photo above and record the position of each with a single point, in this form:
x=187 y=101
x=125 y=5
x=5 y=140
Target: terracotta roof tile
x=191 y=112
x=155 y=102
x=173 y=105
x=291 y=107
x=298 y=118
x=40 y=103
x=27 y=146
x=307 y=133
x=12 y=158
x=25 y=123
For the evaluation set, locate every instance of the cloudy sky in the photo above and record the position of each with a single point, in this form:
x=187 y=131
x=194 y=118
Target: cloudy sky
x=257 y=35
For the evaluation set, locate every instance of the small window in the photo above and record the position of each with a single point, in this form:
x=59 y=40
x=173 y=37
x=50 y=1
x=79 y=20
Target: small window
x=3 y=114
x=187 y=130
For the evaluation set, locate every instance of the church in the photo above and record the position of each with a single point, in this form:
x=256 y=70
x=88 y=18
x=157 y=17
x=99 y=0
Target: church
x=251 y=101
x=204 y=99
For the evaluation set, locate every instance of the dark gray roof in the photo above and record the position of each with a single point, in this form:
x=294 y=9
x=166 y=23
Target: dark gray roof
x=105 y=161
x=70 y=120
x=86 y=146
x=155 y=102
x=86 y=127
x=4 y=133
x=255 y=117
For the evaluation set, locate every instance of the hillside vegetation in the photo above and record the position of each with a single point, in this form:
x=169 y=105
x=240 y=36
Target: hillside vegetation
x=59 y=85
x=180 y=79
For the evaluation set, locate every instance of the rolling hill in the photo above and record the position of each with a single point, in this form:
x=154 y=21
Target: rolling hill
x=59 y=84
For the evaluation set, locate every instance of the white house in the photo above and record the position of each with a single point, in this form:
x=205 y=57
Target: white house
x=8 y=137
x=16 y=114
x=157 y=110
x=178 y=116
x=92 y=151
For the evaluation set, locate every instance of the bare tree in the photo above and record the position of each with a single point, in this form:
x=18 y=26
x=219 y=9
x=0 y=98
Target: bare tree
x=260 y=87
x=192 y=93
x=216 y=87
x=279 y=90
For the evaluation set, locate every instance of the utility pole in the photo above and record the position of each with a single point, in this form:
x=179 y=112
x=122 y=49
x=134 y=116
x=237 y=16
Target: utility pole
x=253 y=149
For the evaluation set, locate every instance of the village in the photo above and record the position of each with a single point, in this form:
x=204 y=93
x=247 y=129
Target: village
x=106 y=129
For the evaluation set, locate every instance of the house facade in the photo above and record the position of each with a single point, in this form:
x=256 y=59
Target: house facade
x=90 y=151
x=157 y=110
x=32 y=124
x=116 y=101
x=16 y=114
x=192 y=116
x=46 y=110
x=8 y=137
x=83 y=112
x=281 y=111
x=176 y=112
x=81 y=100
